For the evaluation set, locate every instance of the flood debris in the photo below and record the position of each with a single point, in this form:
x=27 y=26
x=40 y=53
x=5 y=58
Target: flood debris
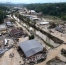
x=11 y=55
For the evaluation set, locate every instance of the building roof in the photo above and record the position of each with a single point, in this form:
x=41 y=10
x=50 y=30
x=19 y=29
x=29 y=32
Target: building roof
x=59 y=29
x=35 y=18
x=31 y=47
x=9 y=23
x=31 y=28
x=44 y=23
x=2 y=26
x=32 y=10
x=13 y=31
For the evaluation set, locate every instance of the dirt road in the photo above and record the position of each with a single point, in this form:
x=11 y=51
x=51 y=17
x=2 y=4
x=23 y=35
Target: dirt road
x=53 y=53
x=5 y=60
x=18 y=25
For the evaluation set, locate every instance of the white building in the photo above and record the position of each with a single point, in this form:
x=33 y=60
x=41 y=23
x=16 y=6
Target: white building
x=3 y=27
x=32 y=11
x=44 y=23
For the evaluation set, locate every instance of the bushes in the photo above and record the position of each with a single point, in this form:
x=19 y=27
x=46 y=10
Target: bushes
x=52 y=25
x=63 y=17
x=31 y=37
x=12 y=20
x=63 y=52
x=19 y=28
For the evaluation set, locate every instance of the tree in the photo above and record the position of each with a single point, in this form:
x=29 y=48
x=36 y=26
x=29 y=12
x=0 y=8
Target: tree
x=1 y=16
x=52 y=24
x=55 y=9
x=31 y=37
x=63 y=18
x=12 y=20
x=28 y=20
x=34 y=23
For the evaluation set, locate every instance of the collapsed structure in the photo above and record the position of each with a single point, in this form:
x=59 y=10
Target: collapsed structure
x=16 y=32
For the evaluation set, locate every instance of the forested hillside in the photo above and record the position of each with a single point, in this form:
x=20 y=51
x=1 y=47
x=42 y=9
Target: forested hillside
x=55 y=9
x=3 y=13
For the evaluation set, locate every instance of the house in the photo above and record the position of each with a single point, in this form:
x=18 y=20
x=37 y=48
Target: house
x=58 y=29
x=16 y=32
x=32 y=11
x=9 y=24
x=31 y=47
x=29 y=16
x=35 y=19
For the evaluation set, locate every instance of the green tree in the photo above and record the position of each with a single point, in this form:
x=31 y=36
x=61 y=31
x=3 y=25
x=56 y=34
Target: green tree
x=1 y=17
x=12 y=20
x=28 y=20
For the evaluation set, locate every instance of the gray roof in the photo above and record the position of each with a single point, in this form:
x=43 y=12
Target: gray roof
x=59 y=29
x=9 y=23
x=31 y=47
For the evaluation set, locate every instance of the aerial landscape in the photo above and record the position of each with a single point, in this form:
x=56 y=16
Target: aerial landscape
x=32 y=32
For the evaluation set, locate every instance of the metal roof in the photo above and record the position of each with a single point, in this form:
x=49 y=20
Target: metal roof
x=44 y=23
x=31 y=47
x=59 y=29
x=13 y=31
x=32 y=10
x=9 y=23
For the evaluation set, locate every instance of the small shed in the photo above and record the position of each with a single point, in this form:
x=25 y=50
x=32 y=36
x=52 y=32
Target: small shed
x=31 y=47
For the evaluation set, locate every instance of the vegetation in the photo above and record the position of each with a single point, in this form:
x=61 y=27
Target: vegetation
x=3 y=13
x=12 y=20
x=1 y=16
x=4 y=8
x=63 y=52
x=63 y=18
x=52 y=25
x=28 y=20
x=55 y=9
x=19 y=28
x=31 y=37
